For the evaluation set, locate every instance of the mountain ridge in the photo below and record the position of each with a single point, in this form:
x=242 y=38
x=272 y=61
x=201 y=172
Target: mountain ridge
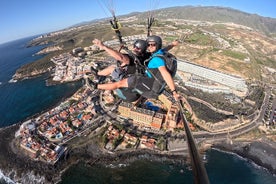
x=228 y=47
x=266 y=25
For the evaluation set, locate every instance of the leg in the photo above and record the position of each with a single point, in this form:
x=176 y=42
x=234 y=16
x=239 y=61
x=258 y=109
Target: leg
x=107 y=71
x=114 y=85
x=144 y=86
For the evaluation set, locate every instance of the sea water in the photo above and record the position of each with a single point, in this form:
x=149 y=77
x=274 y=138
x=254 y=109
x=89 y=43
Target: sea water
x=22 y=99
x=221 y=167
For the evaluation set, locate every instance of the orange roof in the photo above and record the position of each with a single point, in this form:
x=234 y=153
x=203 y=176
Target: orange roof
x=156 y=124
x=86 y=117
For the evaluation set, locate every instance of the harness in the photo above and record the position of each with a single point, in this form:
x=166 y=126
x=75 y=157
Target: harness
x=159 y=83
x=135 y=67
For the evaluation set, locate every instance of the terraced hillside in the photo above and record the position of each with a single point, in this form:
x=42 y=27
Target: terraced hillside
x=228 y=47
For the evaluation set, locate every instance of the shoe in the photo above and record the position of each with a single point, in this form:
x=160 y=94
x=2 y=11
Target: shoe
x=94 y=71
x=92 y=85
x=101 y=78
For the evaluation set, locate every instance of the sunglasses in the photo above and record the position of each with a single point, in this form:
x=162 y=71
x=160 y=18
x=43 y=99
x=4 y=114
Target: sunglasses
x=151 y=44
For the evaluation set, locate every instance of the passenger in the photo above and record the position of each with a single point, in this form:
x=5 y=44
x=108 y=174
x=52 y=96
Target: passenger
x=146 y=84
x=129 y=63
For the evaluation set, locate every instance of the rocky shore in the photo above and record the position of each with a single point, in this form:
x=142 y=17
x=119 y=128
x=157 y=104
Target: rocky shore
x=33 y=69
x=22 y=169
x=262 y=152
x=19 y=167
x=49 y=49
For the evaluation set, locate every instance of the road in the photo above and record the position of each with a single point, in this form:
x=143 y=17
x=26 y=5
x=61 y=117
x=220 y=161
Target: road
x=257 y=118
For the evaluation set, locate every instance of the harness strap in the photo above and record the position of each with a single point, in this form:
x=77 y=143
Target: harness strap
x=116 y=26
x=150 y=22
x=139 y=67
x=154 y=76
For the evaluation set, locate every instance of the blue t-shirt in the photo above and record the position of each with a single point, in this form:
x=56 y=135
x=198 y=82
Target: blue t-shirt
x=155 y=62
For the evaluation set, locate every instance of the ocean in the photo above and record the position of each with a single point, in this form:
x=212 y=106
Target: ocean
x=20 y=100
x=23 y=99
x=221 y=167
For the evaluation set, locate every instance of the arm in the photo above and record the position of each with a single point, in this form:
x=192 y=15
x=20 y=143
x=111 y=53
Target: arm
x=172 y=45
x=169 y=81
x=114 y=53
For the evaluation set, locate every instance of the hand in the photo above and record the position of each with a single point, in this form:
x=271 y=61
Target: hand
x=98 y=43
x=175 y=43
x=176 y=96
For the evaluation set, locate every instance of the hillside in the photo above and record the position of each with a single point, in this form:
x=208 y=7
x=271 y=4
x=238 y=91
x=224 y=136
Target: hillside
x=224 y=39
x=219 y=14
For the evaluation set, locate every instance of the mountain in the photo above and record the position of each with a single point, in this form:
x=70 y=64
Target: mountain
x=266 y=25
x=220 y=38
x=215 y=14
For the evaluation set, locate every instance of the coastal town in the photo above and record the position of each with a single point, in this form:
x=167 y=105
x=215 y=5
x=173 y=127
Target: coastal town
x=226 y=72
x=44 y=137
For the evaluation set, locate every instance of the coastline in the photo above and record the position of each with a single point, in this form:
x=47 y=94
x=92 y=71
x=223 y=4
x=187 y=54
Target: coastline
x=261 y=152
x=19 y=167
x=42 y=171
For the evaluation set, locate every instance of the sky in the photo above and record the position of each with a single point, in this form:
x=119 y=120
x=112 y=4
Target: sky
x=23 y=18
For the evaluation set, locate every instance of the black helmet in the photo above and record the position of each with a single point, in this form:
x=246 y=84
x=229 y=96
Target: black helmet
x=141 y=44
x=157 y=40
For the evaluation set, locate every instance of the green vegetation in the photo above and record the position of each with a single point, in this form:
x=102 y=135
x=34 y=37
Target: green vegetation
x=215 y=49
x=129 y=145
x=272 y=35
x=171 y=38
x=235 y=65
x=200 y=39
x=218 y=26
x=39 y=65
x=266 y=62
x=105 y=139
x=205 y=113
x=231 y=42
x=234 y=54
x=72 y=101
x=188 y=116
x=118 y=126
x=186 y=27
x=161 y=143
x=117 y=141
x=163 y=23
x=257 y=95
x=203 y=52
x=220 y=101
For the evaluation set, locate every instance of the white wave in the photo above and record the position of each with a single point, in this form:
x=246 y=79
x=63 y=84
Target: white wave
x=12 y=81
x=231 y=153
x=28 y=177
x=122 y=165
x=255 y=165
x=112 y=166
x=31 y=178
x=5 y=179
